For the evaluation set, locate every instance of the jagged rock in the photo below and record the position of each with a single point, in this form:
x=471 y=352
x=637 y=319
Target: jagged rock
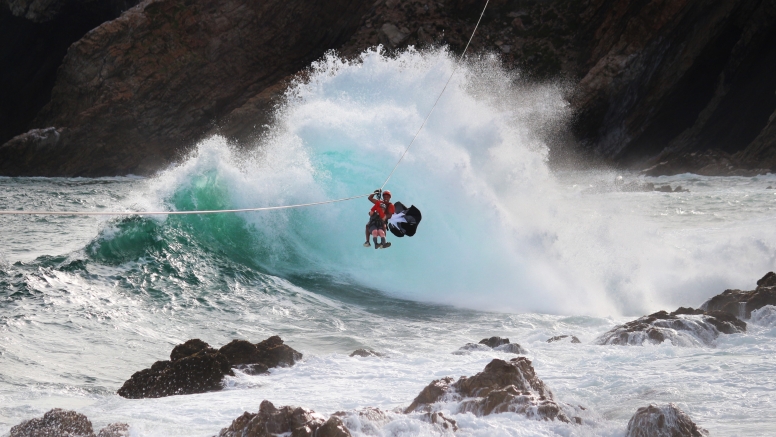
x=271 y=421
x=683 y=327
x=365 y=353
x=195 y=367
x=115 y=430
x=664 y=421
x=188 y=348
x=55 y=423
x=270 y=352
x=741 y=303
x=557 y=338
x=501 y=387
x=492 y=343
x=444 y=422
x=198 y=373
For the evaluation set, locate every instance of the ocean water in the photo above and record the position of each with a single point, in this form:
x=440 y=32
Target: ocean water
x=506 y=247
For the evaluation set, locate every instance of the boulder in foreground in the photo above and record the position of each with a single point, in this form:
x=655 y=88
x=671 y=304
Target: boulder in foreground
x=65 y=423
x=503 y=386
x=683 y=327
x=296 y=422
x=664 y=421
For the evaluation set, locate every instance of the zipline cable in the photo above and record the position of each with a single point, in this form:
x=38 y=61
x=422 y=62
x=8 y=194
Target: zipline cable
x=269 y=208
x=458 y=64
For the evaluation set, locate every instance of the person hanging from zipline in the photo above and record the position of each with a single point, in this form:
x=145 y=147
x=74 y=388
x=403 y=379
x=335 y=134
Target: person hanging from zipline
x=381 y=211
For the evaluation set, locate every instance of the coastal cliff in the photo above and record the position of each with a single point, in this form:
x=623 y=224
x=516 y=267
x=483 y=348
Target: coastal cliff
x=658 y=85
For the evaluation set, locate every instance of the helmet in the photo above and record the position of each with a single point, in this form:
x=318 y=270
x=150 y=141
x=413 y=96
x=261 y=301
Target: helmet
x=386 y=193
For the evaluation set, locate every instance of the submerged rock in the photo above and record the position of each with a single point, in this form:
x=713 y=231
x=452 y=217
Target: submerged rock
x=664 y=421
x=195 y=367
x=365 y=353
x=271 y=421
x=568 y=338
x=492 y=343
x=683 y=327
x=503 y=386
x=115 y=430
x=56 y=422
x=741 y=303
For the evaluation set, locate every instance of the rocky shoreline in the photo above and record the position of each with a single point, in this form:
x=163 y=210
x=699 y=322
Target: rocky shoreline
x=664 y=87
x=502 y=386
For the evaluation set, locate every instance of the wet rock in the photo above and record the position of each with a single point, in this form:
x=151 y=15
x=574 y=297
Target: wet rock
x=558 y=338
x=195 y=367
x=365 y=353
x=444 y=422
x=55 y=423
x=741 y=303
x=503 y=386
x=115 y=430
x=683 y=327
x=252 y=369
x=494 y=341
x=298 y=422
x=270 y=352
x=188 y=348
x=663 y=421
x=198 y=373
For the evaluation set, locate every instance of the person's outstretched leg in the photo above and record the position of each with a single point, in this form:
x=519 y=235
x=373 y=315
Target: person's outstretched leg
x=366 y=232
x=375 y=234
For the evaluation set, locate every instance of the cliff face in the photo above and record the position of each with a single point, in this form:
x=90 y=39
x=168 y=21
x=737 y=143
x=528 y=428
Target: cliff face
x=136 y=91
x=34 y=37
x=675 y=85
x=672 y=77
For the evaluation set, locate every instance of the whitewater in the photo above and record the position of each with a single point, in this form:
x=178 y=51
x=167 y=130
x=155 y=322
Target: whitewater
x=507 y=247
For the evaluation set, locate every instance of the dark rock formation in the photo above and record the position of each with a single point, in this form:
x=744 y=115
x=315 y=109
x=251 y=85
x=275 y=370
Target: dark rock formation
x=663 y=421
x=673 y=86
x=271 y=421
x=195 y=367
x=492 y=343
x=365 y=353
x=741 y=303
x=188 y=348
x=136 y=92
x=34 y=37
x=683 y=327
x=270 y=352
x=668 y=78
x=56 y=422
x=444 y=422
x=501 y=387
x=557 y=338
x=198 y=373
